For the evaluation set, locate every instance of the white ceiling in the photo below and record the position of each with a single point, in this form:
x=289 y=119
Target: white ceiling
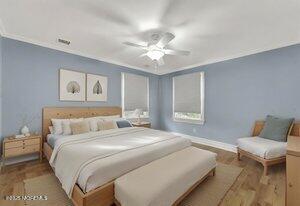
x=213 y=30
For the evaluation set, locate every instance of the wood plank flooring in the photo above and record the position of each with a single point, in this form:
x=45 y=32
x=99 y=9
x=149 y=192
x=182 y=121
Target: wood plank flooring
x=251 y=188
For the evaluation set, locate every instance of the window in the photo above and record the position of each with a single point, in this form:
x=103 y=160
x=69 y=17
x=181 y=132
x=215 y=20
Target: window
x=135 y=95
x=188 y=98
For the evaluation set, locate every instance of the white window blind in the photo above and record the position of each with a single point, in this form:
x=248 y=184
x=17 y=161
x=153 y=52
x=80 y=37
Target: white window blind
x=135 y=93
x=188 y=97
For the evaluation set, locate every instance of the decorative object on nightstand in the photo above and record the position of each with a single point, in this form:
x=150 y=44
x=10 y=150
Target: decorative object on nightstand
x=292 y=171
x=25 y=131
x=13 y=147
x=138 y=113
x=25 y=122
x=141 y=124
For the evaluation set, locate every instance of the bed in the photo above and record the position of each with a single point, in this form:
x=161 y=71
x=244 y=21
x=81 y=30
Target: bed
x=90 y=183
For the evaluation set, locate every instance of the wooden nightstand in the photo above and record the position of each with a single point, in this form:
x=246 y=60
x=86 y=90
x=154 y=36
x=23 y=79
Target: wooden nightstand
x=292 y=171
x=142 y=124
x=13 y=147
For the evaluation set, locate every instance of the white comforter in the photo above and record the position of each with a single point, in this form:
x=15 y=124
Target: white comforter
x=100 y=157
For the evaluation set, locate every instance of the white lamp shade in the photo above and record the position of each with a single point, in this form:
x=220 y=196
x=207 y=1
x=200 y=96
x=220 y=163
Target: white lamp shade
x=138 y=112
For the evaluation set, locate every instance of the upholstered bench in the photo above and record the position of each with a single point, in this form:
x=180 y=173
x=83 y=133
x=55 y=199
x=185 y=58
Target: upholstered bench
x=166 y=181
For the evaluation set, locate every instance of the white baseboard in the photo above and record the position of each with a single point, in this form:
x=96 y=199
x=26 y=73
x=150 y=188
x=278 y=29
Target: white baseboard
x=208 y=142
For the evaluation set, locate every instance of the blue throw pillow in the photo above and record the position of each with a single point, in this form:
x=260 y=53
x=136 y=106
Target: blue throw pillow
x=123 y=123
x=276 y=128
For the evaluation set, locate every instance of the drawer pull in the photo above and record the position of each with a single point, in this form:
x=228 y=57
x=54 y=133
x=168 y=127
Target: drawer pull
x=290 y=185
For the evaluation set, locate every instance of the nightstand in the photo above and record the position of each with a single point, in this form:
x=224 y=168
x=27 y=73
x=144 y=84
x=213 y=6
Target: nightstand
x=142 y=124
x=13 y=147
x=292 y=171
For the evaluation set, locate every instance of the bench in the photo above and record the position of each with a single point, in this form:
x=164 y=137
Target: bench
x=166 y=181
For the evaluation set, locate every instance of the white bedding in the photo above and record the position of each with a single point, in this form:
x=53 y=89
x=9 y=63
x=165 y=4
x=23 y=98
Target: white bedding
x=93 y=159
x=52 y=138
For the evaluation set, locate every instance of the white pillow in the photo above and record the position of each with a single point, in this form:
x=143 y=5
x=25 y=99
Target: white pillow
x=106 y=125
x=66 y=129
x=57 y=126
x=93 y=122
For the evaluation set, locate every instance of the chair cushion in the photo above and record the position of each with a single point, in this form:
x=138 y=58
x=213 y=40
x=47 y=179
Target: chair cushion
x=276 y=128
x=262 y=147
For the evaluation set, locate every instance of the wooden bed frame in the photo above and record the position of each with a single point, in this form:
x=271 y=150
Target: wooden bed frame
x=258 y=126
x=103 y=195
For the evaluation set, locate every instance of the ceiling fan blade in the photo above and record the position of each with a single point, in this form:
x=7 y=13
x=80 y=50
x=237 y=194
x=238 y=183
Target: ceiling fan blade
x=136 y=45
x=143 y=55
x=177 y=52
x=165 y=39
x=161 y=61
x=170 y=15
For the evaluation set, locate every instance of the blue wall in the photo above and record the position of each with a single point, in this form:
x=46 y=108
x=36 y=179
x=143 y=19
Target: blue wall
x=238 y=92
x=30 y=82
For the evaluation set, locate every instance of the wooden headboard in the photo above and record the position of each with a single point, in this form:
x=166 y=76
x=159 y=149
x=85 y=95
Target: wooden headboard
x=258 y=126
x=74 y=112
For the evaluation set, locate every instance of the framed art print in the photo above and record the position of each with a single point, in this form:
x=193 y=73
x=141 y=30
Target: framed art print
x=71 y=85
x=96 y=89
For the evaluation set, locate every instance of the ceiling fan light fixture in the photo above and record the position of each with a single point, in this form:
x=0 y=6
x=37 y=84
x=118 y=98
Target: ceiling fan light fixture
x=155 y=54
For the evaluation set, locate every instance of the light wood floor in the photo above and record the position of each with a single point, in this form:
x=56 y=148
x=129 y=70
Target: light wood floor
x=251 y=188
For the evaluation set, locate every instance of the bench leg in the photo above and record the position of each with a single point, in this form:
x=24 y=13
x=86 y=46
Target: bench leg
x=265 y=169
x=238 y=155
x=213 y=172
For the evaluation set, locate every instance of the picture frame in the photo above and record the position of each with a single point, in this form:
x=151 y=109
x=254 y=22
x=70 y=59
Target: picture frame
x=96 y=88
x=72 y=85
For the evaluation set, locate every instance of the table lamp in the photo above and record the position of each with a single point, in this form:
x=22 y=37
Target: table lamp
x=138 y=113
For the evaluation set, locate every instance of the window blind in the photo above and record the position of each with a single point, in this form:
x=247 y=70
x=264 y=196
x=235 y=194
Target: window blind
x=187 y=93
x=135 y=92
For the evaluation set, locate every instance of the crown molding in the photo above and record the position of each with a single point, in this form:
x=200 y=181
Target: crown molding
x=2 y=29
x=3 y=33
x=70 y=51
x=230 y=57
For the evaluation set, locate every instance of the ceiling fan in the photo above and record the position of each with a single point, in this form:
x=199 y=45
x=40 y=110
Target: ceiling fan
x=156 y=50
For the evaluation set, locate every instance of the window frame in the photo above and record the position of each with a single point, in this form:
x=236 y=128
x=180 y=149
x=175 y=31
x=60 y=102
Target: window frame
x=202 y=102
x=123 y=99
